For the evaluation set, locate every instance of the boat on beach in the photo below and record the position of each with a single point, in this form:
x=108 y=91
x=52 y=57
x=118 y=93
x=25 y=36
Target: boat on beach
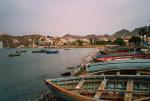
x=101 y=88
x=122 y=76
x=116 y=57
x=124 y=67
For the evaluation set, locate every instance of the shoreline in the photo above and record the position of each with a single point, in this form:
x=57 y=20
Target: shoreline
x=61 y=47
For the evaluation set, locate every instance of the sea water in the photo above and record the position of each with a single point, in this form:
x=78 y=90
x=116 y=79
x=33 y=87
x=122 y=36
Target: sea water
x=21 y=77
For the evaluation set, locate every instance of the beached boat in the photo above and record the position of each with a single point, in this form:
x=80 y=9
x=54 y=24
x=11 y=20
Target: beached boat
x=15 y=54
x=101 y=88
x=136 y=63
x=51 y=51
x=124 y=67
x=116 y=57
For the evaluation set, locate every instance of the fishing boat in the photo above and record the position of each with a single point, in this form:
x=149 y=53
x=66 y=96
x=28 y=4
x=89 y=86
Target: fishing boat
x=51 y=51
x=124 y=67
x=39 y=51
x=15 y=54
x=18 y=51
x=101 y=88
x=116 y=57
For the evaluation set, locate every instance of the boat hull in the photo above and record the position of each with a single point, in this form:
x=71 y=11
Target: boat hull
x=13 y=55
x=114 y=87
x=52 y=52
x=66 y=95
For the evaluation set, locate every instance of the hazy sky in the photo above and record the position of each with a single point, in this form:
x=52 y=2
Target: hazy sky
x=79 y=17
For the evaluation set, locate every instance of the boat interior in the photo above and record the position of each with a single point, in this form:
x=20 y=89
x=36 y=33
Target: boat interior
x=108 y=87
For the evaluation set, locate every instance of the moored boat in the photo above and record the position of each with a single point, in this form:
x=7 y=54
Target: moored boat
x=39 y=51
x=101 y=88
x=15 y=54
x=18 y=51
x=51 y=51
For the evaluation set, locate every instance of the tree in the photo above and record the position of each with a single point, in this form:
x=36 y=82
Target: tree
x=119 y=41
x=136 y=40
x=79 y=42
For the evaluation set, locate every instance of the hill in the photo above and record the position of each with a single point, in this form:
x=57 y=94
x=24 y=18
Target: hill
x=122 y=33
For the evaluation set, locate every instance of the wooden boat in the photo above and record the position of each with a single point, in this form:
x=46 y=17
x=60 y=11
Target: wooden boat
x=116 y=57
x=15 y=54
x=39 y=51
x=124 y=67
x=51 y=51
x=18 y=51
x=101 y=88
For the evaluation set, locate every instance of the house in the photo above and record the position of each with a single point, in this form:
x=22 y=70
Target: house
x=1 y=44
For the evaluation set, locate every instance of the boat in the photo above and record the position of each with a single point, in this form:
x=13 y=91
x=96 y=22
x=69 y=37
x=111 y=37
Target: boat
x=124 y=67
x=51 y=51
x=116 y=57
x=18 y=51
x=101 y=88
x=39 y=51
x=15 y=54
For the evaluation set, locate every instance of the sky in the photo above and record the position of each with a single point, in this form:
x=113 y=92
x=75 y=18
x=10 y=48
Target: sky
x=77 y=17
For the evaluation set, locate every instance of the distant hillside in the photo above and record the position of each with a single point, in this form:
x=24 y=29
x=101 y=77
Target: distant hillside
x=136 y=30
x=125 y=32
x=73 y=36
x=3 y=34
x=86 y=36
x=122 y=33
x=24 y=40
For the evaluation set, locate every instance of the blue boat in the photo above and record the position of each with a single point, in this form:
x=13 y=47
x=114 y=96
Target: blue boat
x=134 y=64
x=51 y=51
x=13 y=55
x=39 y=51
x=101 y=88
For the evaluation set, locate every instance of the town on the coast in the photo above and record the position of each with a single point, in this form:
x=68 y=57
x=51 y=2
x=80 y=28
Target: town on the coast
x=139 y=36
x=118 y=69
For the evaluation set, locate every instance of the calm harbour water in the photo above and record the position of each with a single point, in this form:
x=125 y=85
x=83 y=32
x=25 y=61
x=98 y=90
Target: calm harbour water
x=21 y=78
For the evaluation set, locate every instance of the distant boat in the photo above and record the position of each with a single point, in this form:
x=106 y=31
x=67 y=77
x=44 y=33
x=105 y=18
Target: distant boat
x=52 y=51
x=101 y=88
x=15 y=54
x=39 y=51
x=18 y=51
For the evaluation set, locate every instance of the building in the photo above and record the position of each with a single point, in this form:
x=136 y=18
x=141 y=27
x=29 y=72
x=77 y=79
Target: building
x=1 y=44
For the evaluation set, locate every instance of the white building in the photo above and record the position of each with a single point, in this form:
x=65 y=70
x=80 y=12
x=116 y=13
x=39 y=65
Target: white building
x=1 y=44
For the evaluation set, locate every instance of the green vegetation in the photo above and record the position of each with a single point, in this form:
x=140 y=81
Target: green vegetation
x=79 y=42
x=135 y=40
x=119 y=41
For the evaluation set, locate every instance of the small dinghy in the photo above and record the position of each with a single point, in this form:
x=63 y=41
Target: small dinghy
x=15 y=54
